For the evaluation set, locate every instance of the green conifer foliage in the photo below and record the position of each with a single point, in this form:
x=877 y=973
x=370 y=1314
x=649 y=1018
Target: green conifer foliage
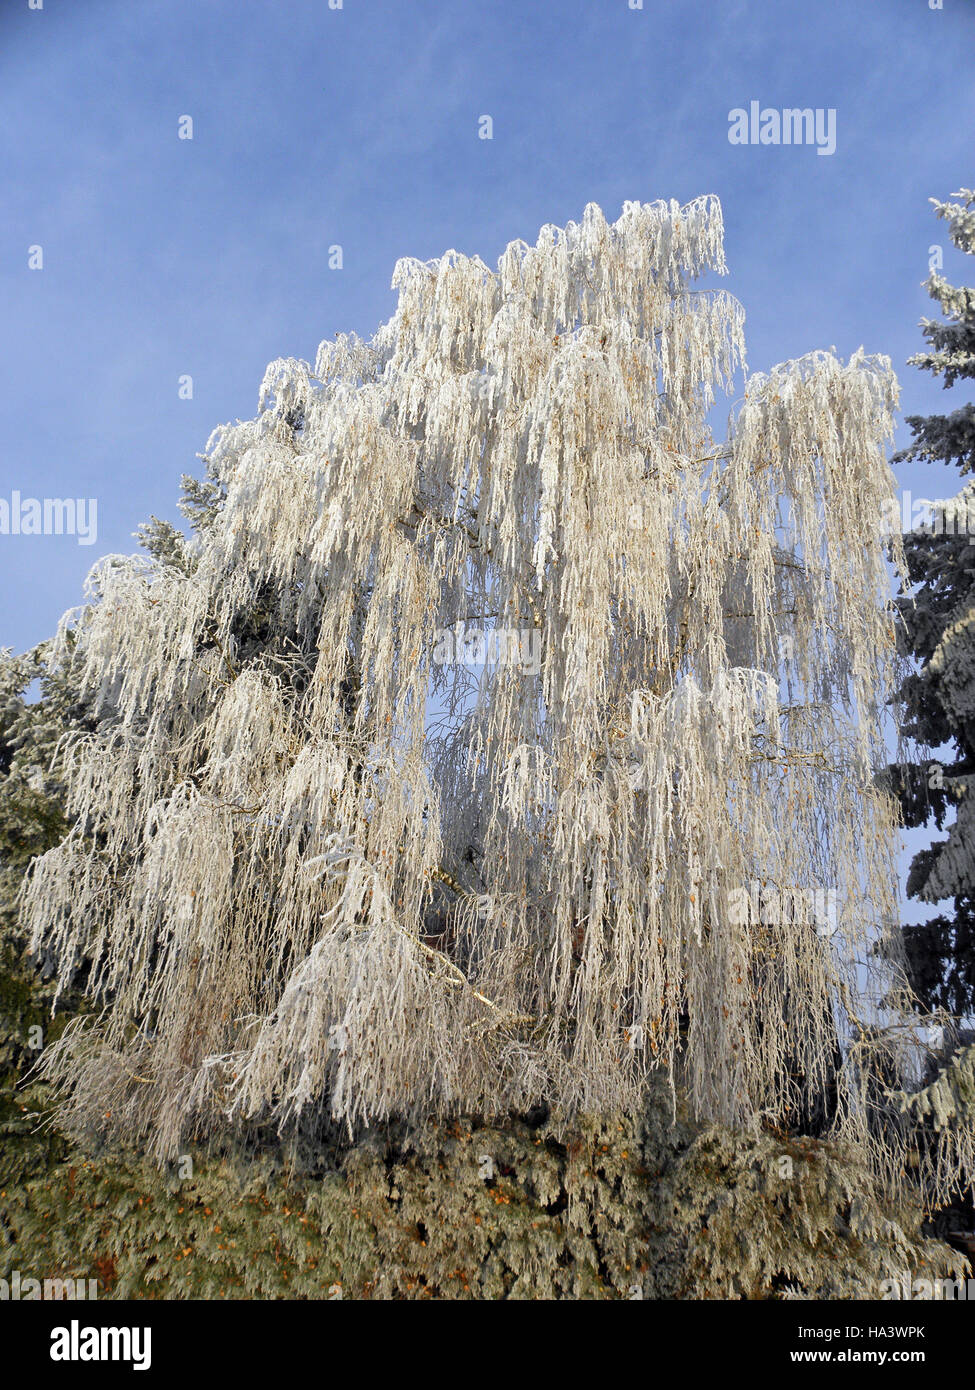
x=612 y=1210
x=938 y=612
x=31 y=821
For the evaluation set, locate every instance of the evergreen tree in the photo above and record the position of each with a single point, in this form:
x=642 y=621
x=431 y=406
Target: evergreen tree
x=32 y=820
x=937 y=608
x=645 y=1206
x=937 y=615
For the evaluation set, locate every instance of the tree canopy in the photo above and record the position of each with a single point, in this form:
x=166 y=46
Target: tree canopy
x=326 y=866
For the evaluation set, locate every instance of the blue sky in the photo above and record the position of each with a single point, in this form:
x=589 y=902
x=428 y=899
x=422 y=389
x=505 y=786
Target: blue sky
x=358 y=126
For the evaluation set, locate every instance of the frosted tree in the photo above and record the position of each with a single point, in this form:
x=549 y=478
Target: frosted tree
x=500 y=734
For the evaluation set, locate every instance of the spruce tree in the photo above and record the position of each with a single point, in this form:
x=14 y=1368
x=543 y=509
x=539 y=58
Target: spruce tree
x=37 y=708
x=937 y=618
x=937 y=609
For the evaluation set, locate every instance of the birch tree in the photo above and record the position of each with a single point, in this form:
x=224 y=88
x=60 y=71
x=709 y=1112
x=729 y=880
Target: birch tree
x=500 y=733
